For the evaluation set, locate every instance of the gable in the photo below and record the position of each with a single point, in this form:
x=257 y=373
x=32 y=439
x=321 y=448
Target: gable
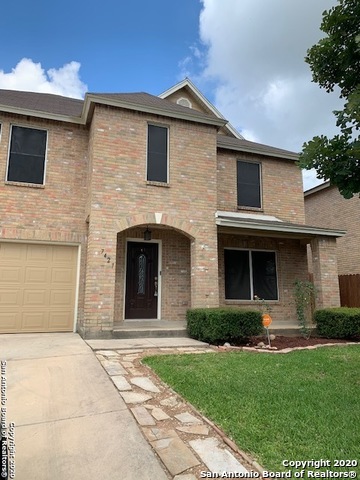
x=186 y=92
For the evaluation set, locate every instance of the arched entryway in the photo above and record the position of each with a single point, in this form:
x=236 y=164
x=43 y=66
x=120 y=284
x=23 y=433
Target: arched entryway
x=153 y=273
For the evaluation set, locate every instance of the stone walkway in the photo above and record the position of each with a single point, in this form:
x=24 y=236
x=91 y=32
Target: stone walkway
x=186 y=442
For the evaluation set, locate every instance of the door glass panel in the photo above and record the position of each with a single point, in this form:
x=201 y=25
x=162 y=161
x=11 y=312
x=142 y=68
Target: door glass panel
x=141 y=274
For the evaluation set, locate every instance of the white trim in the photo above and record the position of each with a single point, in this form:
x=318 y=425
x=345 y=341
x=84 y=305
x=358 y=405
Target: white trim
x=250 y=250
x=77 y=287
x=15 y=182
x=140 y=240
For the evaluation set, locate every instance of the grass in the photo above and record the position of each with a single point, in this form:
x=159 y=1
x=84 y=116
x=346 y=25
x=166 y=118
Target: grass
x=300 y=406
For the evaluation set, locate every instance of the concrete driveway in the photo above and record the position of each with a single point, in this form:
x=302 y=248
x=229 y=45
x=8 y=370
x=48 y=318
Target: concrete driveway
x=70 y=421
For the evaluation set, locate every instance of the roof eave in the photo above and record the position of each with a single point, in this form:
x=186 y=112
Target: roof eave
x=243 y=148
x=92 y=99
x=302 y=230
x=318 y=188
x=39 y=114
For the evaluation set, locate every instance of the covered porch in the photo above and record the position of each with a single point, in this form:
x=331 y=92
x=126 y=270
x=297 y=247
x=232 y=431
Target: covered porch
x=261 y=256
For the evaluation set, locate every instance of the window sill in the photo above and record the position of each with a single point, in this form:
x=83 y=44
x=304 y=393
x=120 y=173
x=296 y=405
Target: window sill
x=254 y=303
x=23 y=184
x=157 y=184
x=252 y=209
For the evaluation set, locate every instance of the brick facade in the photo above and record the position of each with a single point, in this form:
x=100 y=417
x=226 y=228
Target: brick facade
x=96 y=196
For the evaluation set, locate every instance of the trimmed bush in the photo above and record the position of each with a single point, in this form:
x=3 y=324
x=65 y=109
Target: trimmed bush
x=340 y=322
x=215 y=325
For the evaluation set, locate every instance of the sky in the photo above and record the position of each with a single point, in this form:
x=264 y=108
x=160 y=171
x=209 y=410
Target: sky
x=245 y=56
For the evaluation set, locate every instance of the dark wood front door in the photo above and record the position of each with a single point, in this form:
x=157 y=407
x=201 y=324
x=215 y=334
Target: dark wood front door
x=141 y=298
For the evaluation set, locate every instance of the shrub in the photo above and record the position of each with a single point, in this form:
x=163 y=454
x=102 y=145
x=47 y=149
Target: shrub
x=340 y=322
x=215 y=325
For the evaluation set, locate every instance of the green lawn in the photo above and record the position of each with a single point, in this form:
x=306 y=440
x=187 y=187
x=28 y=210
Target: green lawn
x=300 y=406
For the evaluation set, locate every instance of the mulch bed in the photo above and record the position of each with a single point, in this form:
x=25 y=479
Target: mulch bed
x=281 y=342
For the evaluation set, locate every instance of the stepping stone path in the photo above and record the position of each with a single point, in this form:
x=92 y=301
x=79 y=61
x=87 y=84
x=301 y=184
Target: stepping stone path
x=179 y=437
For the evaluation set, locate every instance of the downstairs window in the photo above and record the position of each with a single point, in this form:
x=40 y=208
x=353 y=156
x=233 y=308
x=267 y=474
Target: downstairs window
x=249 y=273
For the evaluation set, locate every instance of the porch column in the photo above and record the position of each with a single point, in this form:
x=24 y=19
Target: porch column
x=204 y=270
x=325 y=270
x=100 y=284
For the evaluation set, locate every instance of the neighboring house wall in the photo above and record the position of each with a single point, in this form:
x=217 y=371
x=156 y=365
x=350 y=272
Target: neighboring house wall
x=282 y=194
x=325 y=207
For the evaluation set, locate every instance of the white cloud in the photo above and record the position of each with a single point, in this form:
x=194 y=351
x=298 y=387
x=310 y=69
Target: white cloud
x=255 y=57
x=30 y=76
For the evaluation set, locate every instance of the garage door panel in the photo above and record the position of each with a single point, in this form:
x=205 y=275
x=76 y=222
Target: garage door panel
x=10 y=321
x=10 y=274
x=10 y=252
x=34 y=321
x=37 y=287
x=38 y=297
x=38 y=253
x=63 y=254
x=62 y=275
x=59 y=321
x=36 y=275
x=10 y=297
x=61 y=298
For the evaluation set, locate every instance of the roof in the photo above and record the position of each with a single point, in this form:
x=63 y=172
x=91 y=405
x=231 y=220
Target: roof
x=41 y=102
x=243 y=145
x=65 y=109
x=272 y=225
x=152 y=104
x=318 y=188
x=73 y=110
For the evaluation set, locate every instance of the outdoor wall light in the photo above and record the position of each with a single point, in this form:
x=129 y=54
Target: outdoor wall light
x=147 y=234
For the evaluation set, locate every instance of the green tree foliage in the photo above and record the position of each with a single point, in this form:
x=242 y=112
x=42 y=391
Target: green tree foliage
x=335 y=61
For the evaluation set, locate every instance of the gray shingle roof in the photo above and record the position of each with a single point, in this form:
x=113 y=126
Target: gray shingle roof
x=143 y=99
x=70 y=107
x=253 y=147
x=42 y=102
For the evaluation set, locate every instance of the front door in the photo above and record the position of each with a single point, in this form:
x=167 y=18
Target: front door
x=141 y=298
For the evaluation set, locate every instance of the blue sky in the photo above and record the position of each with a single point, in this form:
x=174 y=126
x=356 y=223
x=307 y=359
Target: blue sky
x=246 y=56
x=122 y=46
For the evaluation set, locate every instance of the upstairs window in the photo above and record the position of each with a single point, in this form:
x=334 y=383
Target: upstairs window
x=27 y=155
x=248 y=184
x=157 y=154
x=249 y=273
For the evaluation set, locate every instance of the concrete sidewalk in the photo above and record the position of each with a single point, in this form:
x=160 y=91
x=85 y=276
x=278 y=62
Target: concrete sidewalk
x=70 y=421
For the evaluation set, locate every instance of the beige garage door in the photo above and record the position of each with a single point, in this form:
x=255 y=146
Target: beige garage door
x=37 y=287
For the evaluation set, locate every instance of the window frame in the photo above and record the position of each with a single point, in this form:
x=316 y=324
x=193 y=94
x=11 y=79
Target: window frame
x=158 y=182
x=251 y=276
x=249 y=207
x=18 y=182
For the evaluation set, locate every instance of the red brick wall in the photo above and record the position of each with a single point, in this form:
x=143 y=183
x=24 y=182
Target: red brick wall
x=54 y=212
x=291 y=266
x=120 y=191
x=282 y=190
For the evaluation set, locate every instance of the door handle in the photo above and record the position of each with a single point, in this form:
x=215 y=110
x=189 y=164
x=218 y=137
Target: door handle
x=155 y=286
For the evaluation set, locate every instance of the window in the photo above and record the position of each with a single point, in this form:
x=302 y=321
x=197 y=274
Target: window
x=157 y=154
x=249 y=273
x=248 y=184
x=27 y=155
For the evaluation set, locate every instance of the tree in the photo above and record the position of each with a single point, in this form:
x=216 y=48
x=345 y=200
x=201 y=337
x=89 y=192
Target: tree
x=335 y=61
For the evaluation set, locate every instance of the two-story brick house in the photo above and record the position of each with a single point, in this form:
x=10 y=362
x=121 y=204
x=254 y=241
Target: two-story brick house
x=132 y=206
